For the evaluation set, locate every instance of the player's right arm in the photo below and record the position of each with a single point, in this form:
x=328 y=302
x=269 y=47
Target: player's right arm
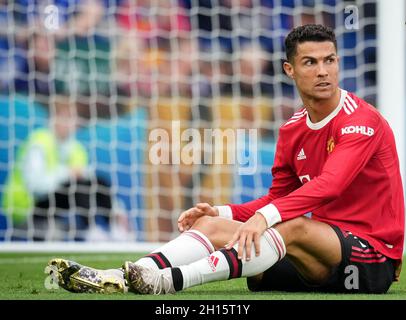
x=284 y=181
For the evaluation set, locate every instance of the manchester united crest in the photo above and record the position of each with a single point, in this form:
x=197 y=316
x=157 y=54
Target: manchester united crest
x=330 y=145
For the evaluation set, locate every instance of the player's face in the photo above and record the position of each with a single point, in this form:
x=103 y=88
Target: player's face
x=315 y=69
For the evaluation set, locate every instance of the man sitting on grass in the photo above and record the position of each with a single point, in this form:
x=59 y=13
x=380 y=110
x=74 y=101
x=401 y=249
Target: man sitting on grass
x=336 y=158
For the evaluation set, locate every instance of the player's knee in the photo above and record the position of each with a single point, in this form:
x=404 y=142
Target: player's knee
x=293 y=230
x=206 y=225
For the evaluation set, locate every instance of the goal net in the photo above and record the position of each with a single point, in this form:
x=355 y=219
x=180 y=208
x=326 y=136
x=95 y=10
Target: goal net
x=168 y=104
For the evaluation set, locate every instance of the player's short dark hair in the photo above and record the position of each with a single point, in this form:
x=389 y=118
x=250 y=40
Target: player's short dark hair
x=309 y=32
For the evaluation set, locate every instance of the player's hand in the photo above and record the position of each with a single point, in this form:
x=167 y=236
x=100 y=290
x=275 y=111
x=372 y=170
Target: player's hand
x=249 y=232
x=188 y=217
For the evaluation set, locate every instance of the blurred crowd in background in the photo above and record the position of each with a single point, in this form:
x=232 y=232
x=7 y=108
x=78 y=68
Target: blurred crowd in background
x=124 y=67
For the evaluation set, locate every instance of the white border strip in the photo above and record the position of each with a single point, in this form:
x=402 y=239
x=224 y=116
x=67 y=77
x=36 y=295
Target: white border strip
x=103 y=247
x=392 y=71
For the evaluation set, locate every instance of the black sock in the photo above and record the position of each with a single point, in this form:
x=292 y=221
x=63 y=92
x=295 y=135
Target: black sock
x=177 y=278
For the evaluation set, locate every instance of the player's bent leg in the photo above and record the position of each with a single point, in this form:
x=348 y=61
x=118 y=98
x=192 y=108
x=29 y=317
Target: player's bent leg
x=220 y=265
x=75 y=277
x=313 y=247
x=362 y=269
x=318 y=251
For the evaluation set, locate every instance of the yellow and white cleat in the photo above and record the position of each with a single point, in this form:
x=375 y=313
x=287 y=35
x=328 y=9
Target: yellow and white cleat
x=75 y=277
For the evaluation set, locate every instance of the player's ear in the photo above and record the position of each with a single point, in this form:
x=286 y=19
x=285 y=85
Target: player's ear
x=288 y=68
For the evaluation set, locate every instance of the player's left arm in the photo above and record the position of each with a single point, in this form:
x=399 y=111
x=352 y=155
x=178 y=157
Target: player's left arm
x=358 y=141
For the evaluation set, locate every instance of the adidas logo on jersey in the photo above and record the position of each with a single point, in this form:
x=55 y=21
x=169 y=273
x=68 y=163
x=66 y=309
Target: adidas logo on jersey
x=301 y=155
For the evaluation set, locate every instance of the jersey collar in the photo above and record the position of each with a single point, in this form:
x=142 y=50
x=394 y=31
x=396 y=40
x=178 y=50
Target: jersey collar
x=326 y=120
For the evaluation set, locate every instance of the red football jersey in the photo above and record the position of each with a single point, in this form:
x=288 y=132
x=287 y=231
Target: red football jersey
x=343 y=169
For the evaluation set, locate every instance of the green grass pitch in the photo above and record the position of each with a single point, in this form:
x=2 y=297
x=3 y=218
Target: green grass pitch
x=22 y=277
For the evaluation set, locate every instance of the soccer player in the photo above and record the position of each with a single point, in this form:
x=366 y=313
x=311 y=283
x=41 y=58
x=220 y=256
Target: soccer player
x=336 y=159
